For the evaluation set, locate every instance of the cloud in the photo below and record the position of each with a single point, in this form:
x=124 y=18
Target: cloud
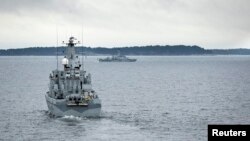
x=208 y=23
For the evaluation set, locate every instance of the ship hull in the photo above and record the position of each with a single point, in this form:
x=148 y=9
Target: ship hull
x=102 y=60
x=59 y=108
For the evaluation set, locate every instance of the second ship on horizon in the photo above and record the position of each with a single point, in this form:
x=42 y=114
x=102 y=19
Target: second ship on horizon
x=117 y=58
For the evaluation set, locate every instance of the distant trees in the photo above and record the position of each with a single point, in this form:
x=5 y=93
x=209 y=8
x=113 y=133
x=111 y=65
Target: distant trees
x=136 y=50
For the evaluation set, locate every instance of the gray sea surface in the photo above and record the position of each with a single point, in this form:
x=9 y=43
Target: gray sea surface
x=171 y=98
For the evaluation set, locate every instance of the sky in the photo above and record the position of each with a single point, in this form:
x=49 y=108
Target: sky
x=211 y=24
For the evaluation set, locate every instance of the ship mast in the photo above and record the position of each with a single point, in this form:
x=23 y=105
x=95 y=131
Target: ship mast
x=56 y=48
x=82 y=49
x=71 y=52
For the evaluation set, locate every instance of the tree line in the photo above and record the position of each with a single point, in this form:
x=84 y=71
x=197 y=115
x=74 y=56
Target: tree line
x=135 y=50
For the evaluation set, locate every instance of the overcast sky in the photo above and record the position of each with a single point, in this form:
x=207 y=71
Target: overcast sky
x=112 y=23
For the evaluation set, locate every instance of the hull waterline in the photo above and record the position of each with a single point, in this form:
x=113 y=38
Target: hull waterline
x=60 y=108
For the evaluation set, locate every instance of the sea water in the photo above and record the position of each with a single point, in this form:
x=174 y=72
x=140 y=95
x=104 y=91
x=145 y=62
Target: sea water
x=170 y=98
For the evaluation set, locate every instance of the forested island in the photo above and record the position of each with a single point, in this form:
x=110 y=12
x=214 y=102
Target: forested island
x=135 y=50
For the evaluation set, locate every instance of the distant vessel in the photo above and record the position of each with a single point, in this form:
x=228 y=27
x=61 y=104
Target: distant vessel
x=70 y=90
x=117 y=58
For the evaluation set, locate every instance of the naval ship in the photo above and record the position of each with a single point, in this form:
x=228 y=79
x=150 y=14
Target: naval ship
x=70 y=89
x=117 y=58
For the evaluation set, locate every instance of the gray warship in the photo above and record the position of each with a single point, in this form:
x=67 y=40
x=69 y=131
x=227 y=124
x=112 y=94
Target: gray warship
x=70 y=90
x=117 y=58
